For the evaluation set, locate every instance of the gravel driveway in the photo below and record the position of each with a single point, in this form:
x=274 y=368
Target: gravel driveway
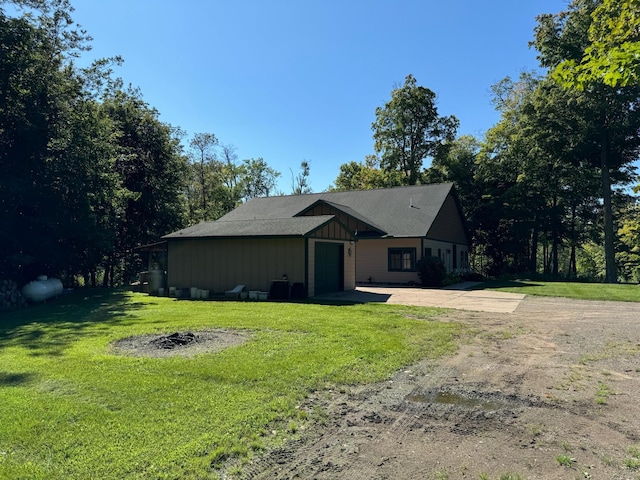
x=548 y=391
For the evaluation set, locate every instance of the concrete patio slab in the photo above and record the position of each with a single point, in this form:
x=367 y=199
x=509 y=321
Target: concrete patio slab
x=457 y=298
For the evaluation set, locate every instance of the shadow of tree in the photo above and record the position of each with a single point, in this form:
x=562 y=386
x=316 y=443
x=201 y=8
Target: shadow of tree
x=351 y=297
x=491 y=284
x=15 y=379
x=48 y=329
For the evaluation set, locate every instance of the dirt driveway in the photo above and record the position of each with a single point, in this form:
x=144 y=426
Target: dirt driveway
x=549 y=391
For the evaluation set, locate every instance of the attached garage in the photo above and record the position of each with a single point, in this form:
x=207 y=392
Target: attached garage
x=323 y=242
x=310 y=251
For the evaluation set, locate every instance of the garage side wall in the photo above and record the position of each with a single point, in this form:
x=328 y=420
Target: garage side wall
x=221 y=264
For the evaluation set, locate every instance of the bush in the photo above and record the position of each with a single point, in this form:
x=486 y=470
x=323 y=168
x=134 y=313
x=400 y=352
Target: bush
x=452 y=278
x=431 y=271
x=472 y=277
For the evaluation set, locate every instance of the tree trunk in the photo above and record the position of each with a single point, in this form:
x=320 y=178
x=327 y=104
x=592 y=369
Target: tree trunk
x=533 y=259
x=554 y=253
x=573 y=269
x=545 y=255
x=611 y=274
x=556 y=239
x=112 y=270
x=105 y=278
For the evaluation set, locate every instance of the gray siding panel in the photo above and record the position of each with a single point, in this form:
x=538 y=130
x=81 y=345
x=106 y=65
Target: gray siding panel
x=448 y=225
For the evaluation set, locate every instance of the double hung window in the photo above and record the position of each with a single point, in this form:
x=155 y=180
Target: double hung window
x=402 y=259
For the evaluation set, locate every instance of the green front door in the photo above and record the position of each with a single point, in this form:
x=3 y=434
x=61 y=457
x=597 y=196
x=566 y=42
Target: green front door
x=329 y=267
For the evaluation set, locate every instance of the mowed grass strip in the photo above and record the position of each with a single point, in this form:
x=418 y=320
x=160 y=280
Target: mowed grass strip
x=577 y=290
x=71 y=408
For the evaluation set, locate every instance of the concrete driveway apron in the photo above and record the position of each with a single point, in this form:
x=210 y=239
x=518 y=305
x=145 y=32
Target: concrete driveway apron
x=457 y=296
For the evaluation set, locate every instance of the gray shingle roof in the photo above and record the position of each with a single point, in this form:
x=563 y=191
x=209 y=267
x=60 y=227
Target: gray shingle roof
x=272 y=227
x=400 y=211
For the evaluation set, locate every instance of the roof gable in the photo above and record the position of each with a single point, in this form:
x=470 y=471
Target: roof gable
x=414 y=211
x=336 y=208
x=399 y=211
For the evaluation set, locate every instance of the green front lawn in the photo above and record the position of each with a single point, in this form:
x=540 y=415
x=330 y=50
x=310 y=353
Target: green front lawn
x=72 y=409
x=581 y=291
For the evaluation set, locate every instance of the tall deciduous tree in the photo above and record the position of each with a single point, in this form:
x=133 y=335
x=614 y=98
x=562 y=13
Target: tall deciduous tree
x=458 y=163
x=205 y=167
x=628 y=256
x=408 y=130
x=613 y=114
x=56 y=154
x=613 y=54
x=153 y=173
x=258 y=178
x=365 y=175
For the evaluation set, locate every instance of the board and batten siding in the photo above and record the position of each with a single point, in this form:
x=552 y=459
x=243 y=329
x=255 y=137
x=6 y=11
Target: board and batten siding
x=373 y=260
x=351 y=223
x=349 y=265
x=221 y=264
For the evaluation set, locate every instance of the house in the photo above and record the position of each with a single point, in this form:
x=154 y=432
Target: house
x=322 y=242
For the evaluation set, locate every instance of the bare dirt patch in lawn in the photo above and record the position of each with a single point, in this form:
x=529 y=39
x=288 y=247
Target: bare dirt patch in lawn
x=184 y=344
x=547 y=392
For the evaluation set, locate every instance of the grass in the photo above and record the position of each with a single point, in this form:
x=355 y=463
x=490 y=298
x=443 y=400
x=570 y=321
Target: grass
x=565 y=461
x=72 y=409
x=577 y=290
x=603 y=393
x=633 y=462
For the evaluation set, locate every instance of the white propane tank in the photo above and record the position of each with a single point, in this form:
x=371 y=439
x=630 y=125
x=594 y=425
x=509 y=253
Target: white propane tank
x=42 y=289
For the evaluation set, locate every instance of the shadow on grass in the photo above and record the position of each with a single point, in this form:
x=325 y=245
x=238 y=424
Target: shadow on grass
x=48 y=329
x=351 y=297
x=335 y=299
x=493 y=284
x=15 y=379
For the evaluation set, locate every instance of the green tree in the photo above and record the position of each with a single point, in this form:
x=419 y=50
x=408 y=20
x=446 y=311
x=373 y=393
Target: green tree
x=94 y=199
x=258 y=179
x=206 y=168
x=507 y=213
x=612 y=114
x=458 y=163
x=231 y=173
x=365 y=175
x=613 y=54
x=539 y=190
x=628 y=255
x=153 y=173
x=560 y=168
x=56 y=152
x=408 y=130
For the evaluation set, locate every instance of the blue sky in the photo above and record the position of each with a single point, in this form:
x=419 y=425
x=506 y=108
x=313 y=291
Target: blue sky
x=300 y=80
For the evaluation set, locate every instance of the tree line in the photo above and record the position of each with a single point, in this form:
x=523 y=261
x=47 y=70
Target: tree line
x=90 y=172
x=548 y=190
